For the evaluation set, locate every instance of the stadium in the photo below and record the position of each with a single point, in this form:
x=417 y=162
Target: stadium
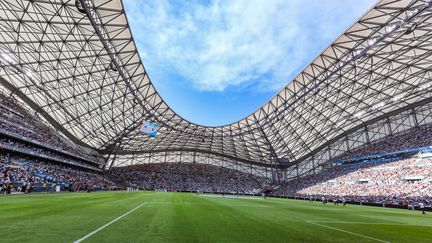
x=91 y=152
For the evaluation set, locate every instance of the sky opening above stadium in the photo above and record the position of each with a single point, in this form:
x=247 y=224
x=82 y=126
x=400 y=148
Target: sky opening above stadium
x=227 y=58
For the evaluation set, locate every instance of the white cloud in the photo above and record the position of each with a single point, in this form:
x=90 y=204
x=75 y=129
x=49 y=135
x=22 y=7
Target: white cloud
x=226 y=43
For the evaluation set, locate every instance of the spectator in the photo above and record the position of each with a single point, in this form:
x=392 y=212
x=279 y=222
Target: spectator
x=188 y=177
x=25 y=172
x=396 y=182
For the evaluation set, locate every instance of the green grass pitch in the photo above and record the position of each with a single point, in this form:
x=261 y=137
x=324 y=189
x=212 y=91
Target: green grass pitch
x=187 y=217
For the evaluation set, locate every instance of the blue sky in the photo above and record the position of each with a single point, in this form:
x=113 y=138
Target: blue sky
x=216 y=61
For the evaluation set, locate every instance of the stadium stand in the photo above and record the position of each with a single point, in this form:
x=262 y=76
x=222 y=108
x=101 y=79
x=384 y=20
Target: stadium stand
x=33 y=154
x=19 y=129
x=189 y=177
x=395 y=170
x=17 y=146
x=401 y=182
x=415 y=138
x=25 y=174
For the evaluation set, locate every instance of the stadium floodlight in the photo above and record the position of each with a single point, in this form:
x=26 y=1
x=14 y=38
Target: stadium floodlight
x=359 y=114
x=30 y=75
x=398 y=97
x=413 y=12
x=8 y=59
x=33 y=78
x=377 y=106
x=372 y=42
x=425 y=86
x=358 y=52
x=390 y=28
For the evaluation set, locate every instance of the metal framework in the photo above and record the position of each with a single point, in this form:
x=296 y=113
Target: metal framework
x=75 y=63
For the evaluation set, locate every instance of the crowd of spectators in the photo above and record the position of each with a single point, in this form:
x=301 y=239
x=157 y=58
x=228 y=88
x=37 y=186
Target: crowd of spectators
x=22 y=174
x=18 y=146
x=33 y=155
x=15 y=119
x=413 y=138
x=397 y=182
x=188 y=177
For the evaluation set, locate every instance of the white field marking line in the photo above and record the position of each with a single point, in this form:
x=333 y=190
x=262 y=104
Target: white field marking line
x=348 y=232
x=108 y=224
x=344 y=222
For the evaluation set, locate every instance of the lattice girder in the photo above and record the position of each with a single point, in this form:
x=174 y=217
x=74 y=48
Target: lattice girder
x=78 y=63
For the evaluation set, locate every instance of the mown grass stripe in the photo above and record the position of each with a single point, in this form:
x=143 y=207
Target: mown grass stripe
x=108 y=224
x=348 y=232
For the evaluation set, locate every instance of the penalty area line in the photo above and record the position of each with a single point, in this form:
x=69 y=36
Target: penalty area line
x=108 y=224
x=348 y=232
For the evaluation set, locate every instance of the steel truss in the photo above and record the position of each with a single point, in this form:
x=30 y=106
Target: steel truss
x=76 y=63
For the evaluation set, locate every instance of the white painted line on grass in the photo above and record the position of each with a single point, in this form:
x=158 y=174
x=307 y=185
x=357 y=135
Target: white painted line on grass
x=367 y=223
x=348 y=232
x=108 y=224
